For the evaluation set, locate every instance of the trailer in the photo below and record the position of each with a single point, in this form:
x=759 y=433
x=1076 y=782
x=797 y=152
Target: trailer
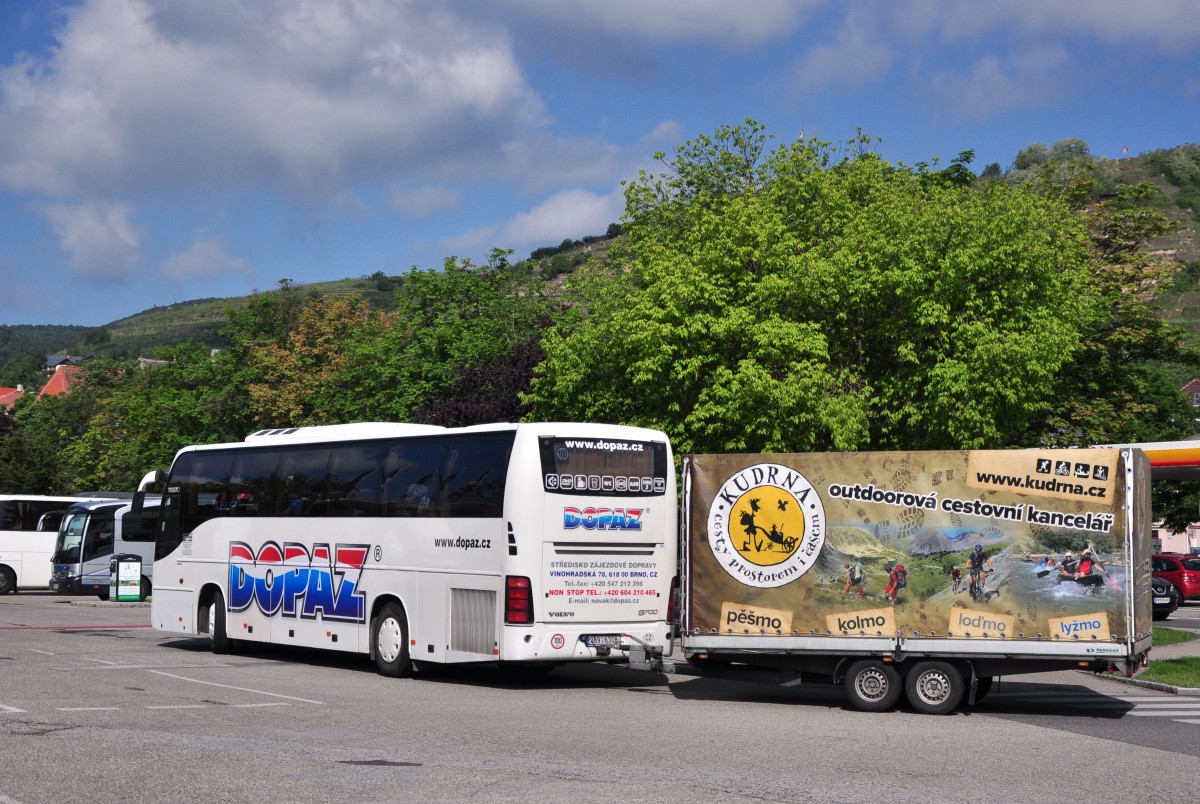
x=923 y=574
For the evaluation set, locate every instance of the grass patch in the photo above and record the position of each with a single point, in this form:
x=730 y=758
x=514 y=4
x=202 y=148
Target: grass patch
x=1170 y=636
x=1183 y=672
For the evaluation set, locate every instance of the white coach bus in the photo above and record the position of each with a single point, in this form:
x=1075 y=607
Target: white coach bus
x=28 y=527
x=536 y=543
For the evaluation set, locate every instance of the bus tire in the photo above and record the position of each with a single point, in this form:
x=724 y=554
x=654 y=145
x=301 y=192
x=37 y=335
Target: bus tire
x=143 y=589
x=934 y=688
x=217 y=628
x=103 y=595
x=389 y=642
x=873 y=686
x=8 y=581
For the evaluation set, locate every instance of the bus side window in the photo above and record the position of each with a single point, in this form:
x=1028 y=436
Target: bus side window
x=473 y=476
x=252 y=489
x=202 y=478
x=410 y=478
x=302 y=482
x=353 y=480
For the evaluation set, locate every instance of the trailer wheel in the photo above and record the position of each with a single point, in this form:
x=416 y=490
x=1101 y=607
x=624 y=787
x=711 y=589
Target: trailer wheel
x=934 y=688
x=217 y=629
x=390 y=638
x=873 y=686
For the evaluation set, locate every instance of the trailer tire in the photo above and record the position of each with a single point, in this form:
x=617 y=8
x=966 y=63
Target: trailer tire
x=218 y=630
x=389 y=642
x=873 y=686
x=934 y=688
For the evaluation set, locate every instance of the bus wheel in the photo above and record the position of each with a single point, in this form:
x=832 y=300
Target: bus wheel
x=216 y=624
x=8 y=581
x=390 y=636
x=873 y=686
x=103 y=595
x=143 y=589
x=934 y=688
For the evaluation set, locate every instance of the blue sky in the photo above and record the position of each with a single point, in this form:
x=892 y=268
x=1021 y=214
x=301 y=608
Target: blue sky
x=157 y=151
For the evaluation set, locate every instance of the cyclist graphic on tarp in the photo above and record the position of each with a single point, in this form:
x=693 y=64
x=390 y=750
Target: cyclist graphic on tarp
x=978 y=567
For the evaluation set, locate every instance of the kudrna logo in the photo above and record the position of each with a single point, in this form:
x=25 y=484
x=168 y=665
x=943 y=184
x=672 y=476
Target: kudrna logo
x=766 y=525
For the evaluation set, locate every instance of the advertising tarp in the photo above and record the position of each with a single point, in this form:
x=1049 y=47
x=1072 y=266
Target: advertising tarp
x=1003 y=544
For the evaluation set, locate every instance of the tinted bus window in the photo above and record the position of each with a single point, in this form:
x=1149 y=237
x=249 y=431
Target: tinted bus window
x=353 y=480
x=302 y=474
x=603 y=466
x=410 y=478
x=474 y=469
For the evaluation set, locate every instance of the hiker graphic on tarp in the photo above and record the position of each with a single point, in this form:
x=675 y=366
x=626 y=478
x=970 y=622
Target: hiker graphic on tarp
x=897 y=580
x=855 y=578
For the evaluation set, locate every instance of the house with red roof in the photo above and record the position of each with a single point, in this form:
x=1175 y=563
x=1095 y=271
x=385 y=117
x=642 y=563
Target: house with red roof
x=65 y=376
x=9 y=396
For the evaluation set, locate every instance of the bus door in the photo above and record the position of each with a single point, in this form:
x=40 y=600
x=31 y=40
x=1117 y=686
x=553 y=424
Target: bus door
x=96 y=553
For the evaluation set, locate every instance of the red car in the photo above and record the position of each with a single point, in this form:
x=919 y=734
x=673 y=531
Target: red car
x=1183 y=571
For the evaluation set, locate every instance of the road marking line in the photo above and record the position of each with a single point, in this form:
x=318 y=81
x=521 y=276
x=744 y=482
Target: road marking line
x=43 y=652
x=231 y=687
x=1197 y=722
x=87 y=708
x=179 y=706
x=99 y=661
x=1164 y=713
x=4 y=708
x=258 y=705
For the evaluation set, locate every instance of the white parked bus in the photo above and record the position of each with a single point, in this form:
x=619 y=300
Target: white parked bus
x=542 y=543
x=25 y=548
x=90 y=534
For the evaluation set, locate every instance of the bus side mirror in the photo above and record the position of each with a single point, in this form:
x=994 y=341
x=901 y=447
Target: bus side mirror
x=157 y=477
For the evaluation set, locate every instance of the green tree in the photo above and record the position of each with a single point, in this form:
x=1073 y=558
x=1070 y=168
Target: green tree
x=817 y=297
x=151 y=412
x=25 y=370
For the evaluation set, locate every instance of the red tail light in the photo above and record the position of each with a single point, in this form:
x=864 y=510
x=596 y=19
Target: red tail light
x=518 y=601
x=673 y=604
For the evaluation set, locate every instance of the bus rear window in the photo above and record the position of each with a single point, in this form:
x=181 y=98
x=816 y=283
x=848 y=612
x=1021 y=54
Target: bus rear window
x=606 y=467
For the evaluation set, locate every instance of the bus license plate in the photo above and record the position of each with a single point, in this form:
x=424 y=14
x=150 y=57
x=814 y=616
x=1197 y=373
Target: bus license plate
x=604 y=640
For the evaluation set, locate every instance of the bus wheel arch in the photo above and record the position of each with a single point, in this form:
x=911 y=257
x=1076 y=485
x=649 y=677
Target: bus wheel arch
x=211 y=619
x=8 y=580
x=389 y=639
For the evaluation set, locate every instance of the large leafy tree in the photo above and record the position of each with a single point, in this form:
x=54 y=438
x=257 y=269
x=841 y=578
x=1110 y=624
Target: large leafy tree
x=153 y=411
x=817 y=297
x=457 y=350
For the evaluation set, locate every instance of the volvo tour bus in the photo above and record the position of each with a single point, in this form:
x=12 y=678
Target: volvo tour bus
x=28 y=526
x=90 y=534
x=499 y=543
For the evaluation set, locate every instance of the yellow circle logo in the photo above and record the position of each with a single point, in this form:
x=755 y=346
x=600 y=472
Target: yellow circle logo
x=766 y=525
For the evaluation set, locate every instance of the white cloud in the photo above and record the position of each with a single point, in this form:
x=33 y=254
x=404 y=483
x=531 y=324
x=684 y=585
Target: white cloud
x=571 y=213
x=737 y=23
x=298 y=94
x=206 y=259
x=857 y=55
x=98 y=238
x=994 y=85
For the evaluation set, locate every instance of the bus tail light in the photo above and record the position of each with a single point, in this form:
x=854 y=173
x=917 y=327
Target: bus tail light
x=518 y=600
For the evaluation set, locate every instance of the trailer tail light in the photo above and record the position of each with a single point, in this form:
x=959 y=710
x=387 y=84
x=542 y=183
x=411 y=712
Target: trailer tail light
x=518 y=600
x=673 y=605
